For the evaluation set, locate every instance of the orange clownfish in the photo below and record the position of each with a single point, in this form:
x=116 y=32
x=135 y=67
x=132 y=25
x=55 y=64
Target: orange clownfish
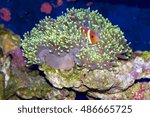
x=93 y=37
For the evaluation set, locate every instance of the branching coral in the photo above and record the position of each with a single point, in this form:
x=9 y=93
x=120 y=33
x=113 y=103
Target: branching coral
x=57 y=41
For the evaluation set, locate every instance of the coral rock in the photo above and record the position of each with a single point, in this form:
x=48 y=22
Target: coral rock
x=8 y=40
x=139 y=91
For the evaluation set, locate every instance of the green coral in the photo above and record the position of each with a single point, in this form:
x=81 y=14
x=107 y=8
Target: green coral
x=62 y=34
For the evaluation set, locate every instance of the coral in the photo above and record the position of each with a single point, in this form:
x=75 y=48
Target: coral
x=5 y=14
x=57 y=41
x=139 y=91
x=46 y=8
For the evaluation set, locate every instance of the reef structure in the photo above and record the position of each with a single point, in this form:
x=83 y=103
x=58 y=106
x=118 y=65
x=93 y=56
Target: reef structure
x=139 y=91
x=119 y=79
x=83 y=51
x=17 y=80
x=20 y=81
x=64 y=43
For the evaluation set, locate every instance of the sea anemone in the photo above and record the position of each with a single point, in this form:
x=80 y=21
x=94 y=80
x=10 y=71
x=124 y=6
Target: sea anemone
x=61 y=44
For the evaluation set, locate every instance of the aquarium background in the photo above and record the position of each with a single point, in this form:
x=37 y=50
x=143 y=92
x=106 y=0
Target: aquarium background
x=132 y=16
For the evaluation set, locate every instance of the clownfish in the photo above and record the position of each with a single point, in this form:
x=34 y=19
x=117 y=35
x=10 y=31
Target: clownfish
x=93 y=37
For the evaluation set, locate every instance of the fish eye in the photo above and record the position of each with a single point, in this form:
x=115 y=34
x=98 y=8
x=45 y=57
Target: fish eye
x=92 y=36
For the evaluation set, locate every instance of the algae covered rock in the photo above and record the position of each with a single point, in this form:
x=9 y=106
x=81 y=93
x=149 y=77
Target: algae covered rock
x=17 y=80
x=139 y=91
x=61 y=78
x=117 y=80
x=26 y=84
x=146 y=55
x=8 y=40
x=2 y=85
x=37 y=88
x=9 y=46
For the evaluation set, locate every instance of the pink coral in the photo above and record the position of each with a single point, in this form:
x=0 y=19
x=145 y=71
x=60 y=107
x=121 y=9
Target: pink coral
x=5 y=14
x=46 y=8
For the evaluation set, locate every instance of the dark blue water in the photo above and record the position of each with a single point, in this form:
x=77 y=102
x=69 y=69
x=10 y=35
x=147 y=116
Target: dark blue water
x=132 y=16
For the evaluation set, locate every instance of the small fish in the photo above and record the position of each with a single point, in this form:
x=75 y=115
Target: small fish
x=93 y=37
